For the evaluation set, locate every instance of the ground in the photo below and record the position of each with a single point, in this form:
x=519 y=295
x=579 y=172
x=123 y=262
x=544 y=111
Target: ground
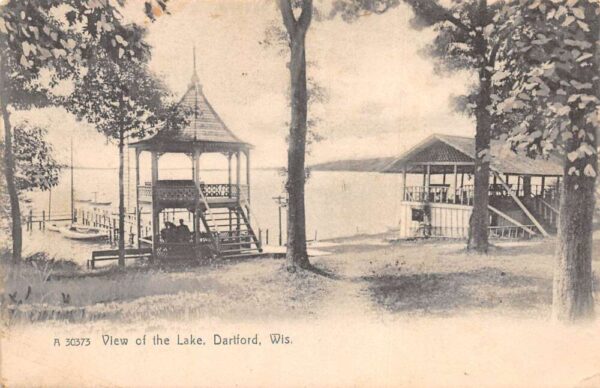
x=369 y=314
x=435 y=278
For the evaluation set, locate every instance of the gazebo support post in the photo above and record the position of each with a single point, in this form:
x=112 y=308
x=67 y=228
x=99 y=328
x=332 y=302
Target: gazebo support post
x=196 y=179
x=247 y=153
x=229 y=156
x=155 y=210
x=237 y=183
x=428 y=182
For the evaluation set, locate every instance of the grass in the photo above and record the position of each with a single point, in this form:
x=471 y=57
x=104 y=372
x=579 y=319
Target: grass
x=401 y=279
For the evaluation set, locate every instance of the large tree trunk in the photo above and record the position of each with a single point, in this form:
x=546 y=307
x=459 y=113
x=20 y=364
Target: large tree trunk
x=479 y=221
x=573 y=298
x=121 y=200
x=572 y=292
x=296 y=254
x=9 y=170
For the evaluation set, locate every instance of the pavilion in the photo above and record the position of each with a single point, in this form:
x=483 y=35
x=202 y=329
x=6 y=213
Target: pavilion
x=523 y=191
x=220 y=212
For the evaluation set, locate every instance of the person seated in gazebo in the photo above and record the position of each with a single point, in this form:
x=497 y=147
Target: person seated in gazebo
x=182 y=232
x=169 y=232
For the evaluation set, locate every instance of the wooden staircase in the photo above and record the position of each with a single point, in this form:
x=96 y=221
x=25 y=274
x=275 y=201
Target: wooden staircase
x=233 y=234
x=545 y=211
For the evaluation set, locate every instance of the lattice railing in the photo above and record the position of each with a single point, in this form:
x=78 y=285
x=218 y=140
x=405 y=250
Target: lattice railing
x=179 y=191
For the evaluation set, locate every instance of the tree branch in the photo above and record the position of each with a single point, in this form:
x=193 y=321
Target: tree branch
x=448 y=16
x=288 y=16
x=492 y=58
x=306 y=15
x=436 y=13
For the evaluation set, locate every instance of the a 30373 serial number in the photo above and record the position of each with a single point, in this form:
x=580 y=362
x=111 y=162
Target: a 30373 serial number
x=75 y=341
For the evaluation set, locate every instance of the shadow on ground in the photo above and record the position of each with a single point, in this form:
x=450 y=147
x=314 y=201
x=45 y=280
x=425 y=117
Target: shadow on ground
x=445 y=293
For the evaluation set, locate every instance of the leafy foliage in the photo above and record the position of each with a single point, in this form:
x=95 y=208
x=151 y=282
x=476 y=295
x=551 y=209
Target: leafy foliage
x=36 y=167
x=557 y=93
x=122 y=96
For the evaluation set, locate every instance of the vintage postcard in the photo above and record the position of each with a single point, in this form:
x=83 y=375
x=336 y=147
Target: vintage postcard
x=299 y=193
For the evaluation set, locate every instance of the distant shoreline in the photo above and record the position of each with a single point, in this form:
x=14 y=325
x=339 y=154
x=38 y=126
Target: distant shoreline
x=355 y=165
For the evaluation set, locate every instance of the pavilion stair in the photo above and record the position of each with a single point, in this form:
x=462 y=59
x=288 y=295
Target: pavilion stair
x=236 y=239
x=544 y=211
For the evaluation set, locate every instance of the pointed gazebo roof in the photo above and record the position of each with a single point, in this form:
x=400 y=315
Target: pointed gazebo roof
x=205 y=131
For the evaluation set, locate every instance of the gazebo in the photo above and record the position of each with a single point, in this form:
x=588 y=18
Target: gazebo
x=220 y=212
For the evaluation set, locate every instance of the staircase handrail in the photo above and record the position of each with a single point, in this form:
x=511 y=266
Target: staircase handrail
x=208 y=209
x=244 y=201
x=542 y=200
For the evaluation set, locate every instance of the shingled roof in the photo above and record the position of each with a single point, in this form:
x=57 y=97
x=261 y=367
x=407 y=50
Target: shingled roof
x=205 y=129
x=445 y=149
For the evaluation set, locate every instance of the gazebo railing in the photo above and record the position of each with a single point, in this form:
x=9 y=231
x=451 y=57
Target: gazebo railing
x=186 y=191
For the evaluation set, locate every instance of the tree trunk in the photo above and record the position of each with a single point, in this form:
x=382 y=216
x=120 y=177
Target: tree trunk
x=296 y=254
x=121 y=200
x=573 y=297
x=572 y=293
x=479 y=221
x=9 y=171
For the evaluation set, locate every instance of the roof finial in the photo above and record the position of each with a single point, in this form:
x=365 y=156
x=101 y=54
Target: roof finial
x=195 y=74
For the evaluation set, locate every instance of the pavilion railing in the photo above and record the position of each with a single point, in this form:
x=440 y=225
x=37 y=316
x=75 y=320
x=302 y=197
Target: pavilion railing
x=439 y=194
x=464 y=195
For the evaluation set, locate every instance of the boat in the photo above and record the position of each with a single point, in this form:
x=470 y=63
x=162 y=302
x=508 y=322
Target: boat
x=53 y=228
x=99 y=203
x=83 y=200
x=79 y=232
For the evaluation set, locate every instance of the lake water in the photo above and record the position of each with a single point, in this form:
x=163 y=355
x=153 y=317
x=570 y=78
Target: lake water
x=337 y=204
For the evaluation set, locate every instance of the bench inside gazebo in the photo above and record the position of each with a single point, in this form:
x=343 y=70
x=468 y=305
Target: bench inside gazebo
x=437 y=190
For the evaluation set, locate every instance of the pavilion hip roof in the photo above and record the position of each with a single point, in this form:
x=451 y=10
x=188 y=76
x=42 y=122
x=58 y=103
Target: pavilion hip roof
x=446 y=150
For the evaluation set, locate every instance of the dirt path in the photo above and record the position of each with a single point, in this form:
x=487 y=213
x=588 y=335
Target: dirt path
x=347 y=292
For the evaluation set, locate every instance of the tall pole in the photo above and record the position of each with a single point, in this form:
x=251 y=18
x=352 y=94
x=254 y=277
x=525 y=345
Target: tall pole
x=72 y=185
x=280 y=232
x=49 y=204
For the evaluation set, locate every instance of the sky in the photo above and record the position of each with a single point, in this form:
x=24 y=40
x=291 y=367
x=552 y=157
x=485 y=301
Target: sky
x=383 y=95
